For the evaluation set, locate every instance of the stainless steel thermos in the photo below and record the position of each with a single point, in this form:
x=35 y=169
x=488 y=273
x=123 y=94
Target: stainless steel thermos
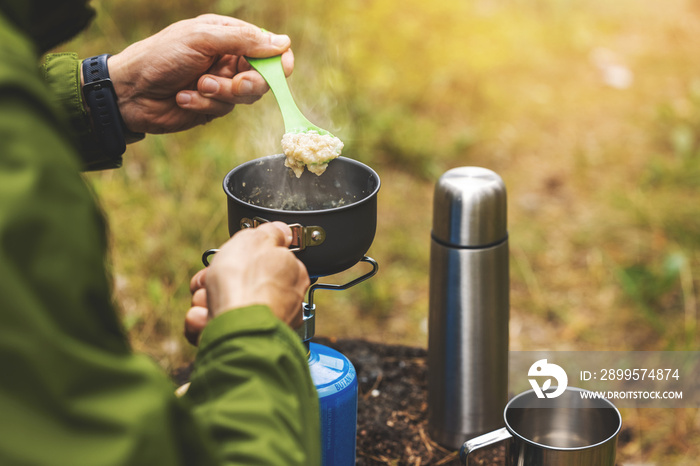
x=469 y=306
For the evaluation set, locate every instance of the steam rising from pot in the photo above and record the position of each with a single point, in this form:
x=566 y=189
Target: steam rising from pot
x=268 y=183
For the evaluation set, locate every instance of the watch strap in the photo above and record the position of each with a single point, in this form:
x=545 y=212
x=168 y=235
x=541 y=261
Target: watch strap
x=108 y=125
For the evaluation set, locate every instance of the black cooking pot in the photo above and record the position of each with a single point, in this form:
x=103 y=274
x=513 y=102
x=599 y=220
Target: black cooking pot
x=333 y=216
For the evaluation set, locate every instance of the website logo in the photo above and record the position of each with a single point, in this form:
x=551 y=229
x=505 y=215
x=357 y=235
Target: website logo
x=543 y=369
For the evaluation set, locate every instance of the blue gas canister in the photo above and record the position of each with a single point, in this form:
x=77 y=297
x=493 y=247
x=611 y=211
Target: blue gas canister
x=336 y=382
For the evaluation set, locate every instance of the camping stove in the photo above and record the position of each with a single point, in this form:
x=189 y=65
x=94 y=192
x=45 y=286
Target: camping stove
x=336 y=383
x=333 y=218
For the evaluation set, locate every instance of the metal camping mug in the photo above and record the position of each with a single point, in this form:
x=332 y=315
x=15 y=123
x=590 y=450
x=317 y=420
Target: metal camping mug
x=569 y=430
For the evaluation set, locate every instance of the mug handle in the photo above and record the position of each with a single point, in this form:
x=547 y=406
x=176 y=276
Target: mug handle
x=483 y=441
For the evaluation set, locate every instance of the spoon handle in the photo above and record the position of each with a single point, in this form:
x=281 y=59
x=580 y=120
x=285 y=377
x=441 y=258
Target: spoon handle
x=271 y=69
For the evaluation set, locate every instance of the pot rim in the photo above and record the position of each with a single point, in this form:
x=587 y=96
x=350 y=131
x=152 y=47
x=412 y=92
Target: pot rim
x=365 y=199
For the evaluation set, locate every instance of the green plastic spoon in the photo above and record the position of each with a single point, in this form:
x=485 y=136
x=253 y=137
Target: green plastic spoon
x=271 y=70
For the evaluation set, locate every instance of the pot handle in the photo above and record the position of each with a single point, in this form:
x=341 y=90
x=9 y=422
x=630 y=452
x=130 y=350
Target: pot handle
x=483 y=441
x=302 y=237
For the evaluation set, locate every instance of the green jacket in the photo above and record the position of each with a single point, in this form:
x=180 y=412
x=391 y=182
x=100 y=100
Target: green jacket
x=72 y=392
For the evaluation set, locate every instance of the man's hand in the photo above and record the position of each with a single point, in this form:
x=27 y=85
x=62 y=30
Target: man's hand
x=254 y=267
x=191 y=72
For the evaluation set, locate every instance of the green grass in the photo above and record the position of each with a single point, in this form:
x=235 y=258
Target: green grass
x=603 y=182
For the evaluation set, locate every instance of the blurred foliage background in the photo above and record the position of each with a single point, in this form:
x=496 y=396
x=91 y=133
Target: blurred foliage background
x=588 y=109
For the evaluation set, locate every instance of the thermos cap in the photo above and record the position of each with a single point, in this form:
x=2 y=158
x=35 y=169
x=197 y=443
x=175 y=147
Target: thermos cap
x=470 y=208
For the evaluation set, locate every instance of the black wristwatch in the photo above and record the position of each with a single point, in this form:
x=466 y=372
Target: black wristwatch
x=108 y=125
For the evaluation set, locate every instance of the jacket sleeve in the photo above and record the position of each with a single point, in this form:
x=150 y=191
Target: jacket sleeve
x=252 y=389
x=72 y=392
x=61 y=72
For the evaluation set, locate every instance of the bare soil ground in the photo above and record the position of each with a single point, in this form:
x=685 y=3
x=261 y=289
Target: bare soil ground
x=392 y=426
x=392 y=407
